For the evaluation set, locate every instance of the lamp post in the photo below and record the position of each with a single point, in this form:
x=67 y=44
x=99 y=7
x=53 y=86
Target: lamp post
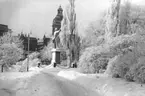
x=28 y=51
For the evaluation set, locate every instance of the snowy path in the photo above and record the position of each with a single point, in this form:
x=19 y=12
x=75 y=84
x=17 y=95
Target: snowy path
x=42 y=84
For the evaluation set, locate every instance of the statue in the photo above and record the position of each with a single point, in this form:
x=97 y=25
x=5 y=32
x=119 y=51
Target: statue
x=56 y=27
x=55 y=38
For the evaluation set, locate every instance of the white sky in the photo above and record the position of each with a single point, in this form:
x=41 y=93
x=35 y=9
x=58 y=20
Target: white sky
x=37 y=15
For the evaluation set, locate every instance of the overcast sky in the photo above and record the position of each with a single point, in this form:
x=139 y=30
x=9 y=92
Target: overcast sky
x=37 y=15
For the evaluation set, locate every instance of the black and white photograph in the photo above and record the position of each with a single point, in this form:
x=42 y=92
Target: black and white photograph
x=72 y=47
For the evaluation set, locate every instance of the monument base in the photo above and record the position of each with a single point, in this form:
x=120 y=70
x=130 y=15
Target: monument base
x=55 y=57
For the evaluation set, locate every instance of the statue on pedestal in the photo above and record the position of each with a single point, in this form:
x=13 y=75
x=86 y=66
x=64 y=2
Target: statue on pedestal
x=56 y=28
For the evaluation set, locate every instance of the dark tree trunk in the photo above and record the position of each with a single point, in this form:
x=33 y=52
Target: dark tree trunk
x=73 y=49
x=2 y=68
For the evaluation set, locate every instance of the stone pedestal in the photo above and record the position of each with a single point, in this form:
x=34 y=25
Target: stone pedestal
x=55 y=57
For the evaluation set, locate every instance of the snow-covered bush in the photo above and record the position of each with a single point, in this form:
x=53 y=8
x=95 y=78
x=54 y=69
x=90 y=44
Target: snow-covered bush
x=9 y=55
x=111 y=65
x=32 y=63
x=129 y=76
x=45 y=53
x=34 y=55
x=11 y=51
x=123 y=64
x=129 y=60
x=139 y=73
x=9 y=39
x=91 y=60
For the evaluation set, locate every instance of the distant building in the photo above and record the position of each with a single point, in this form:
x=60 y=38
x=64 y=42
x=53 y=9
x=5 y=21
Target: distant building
x=35 y=43
x=3 y=29
x=40 y=45
x=46 y=40
x=32 y=42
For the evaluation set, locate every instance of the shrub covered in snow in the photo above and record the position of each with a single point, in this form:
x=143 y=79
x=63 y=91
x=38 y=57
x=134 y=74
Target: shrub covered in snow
x=93 y=59
x=139 y=73
x=11 y=51
x=122 y=64
x=129 y=61
x=34 y=55
x=45 y=53
x=9 y=55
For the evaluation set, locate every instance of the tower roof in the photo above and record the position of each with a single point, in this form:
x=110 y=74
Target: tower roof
x=60 y=8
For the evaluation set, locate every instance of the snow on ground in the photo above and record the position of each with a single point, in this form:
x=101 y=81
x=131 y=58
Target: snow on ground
x=108 y=86
x=71 y=75
x=104 y=84
x=51 y=81
x=41 y=83
x=16 y=75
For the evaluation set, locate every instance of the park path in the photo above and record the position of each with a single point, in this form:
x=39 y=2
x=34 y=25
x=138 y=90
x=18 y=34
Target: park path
x=44 y=83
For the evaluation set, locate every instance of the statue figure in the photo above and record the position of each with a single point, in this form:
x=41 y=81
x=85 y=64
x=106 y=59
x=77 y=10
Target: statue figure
x=55 y=38
x=56 y=27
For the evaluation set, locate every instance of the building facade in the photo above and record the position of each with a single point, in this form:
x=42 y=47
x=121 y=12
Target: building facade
x=35 y=44
x=3 y=29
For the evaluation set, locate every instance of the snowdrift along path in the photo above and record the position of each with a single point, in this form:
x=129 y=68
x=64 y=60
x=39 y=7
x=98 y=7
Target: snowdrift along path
x=43 y=84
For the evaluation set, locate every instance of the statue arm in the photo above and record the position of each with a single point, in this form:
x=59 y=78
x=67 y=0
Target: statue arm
x=56 y=33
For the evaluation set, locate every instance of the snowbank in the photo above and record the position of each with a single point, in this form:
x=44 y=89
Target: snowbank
x=16 y=75
x=107 y=86
x=71 y=75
